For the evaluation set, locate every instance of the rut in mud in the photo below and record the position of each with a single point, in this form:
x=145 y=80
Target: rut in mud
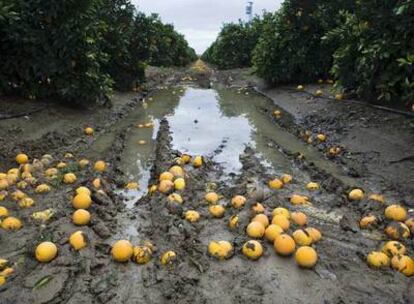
x=243 y=146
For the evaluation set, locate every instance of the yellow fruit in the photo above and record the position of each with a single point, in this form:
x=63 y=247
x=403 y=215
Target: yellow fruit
x=368 y=221
x=395 y=213
x=81 y=201
x=234 y=222
x=212 y=198
x=83 y=190
x=255 y=230
x=83 y=163
x=96 y=183
x=272 y=232
x=356 y=195
x=397 y=231
x=166 y=176
x=252 y=249
x=43 y=215
x=26 y=202
x=216 y=211
x=296 y=199
x=132 y=186
x=69 y=178
x=122 y=251
x=8 y=271
x=238 y=201
x=152 y=189
x=393 y=248
x=142 y=254
x=198 y=162
x=377 y=197
x=220 y=250
x=100 y=166
x=185 y=159
x=409 y=222
x=321 y=137
x=403 y=264
x=300 y=87
x=3 y=212
x=192 y=216
x=165 y=186
x=68 y=155
x=277 y=113
x=339 y=96
x=334 y=151
x=11 y=223
x=168 y=258
x=46 y=252
x=4 y=184
x=281 y=211
x=51 y=172
x=306 y=257
x=18 y=195
x=286 y=178
x=299 y=218
x=89 y=131
x=22 y=159
x=77 y=240
x=276 y=184
x=314 y=233
x=302 y=237
x=21 y=185
x=176 y=171
x=61 y=165
x=284 y=245
x=281 y=221
x=318 y=93
x=258 y=208
x=312 y=186
x=142 y=142
x=2 y=280
x=378 y=259
x=43 y=188
x=179 y=184
x=261 y=218
x=175 y=198
x=81 y=217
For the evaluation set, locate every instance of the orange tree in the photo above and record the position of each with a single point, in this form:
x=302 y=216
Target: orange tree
x=53 y=51
x=375 y=54
x=235 y=43
x=78 y=50
x=290 y=48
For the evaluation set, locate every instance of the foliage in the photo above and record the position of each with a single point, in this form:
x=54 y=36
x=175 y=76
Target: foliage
x=78 y=50
x=53 y=50
x=235 y=43
x=124 y=65
x=375 y=55
x=166 y=46
x=290 y=48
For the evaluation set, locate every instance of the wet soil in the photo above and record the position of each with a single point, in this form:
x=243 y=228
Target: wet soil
x=243 y=146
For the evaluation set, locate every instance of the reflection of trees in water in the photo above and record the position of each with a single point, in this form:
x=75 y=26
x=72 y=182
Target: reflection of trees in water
x=250 y=106
x=165 y=102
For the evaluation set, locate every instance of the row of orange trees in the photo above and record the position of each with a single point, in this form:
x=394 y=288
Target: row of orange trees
x=367 y=46
x=80 y=50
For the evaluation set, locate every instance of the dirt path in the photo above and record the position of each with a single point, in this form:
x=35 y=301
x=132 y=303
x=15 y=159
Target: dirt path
x=243 y=146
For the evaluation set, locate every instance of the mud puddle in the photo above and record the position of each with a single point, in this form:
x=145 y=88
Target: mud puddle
x=216 y=123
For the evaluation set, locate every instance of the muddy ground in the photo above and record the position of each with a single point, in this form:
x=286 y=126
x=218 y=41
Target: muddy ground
x=378 y=150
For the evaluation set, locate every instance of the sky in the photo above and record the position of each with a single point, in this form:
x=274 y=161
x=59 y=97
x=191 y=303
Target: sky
x=200 y=20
